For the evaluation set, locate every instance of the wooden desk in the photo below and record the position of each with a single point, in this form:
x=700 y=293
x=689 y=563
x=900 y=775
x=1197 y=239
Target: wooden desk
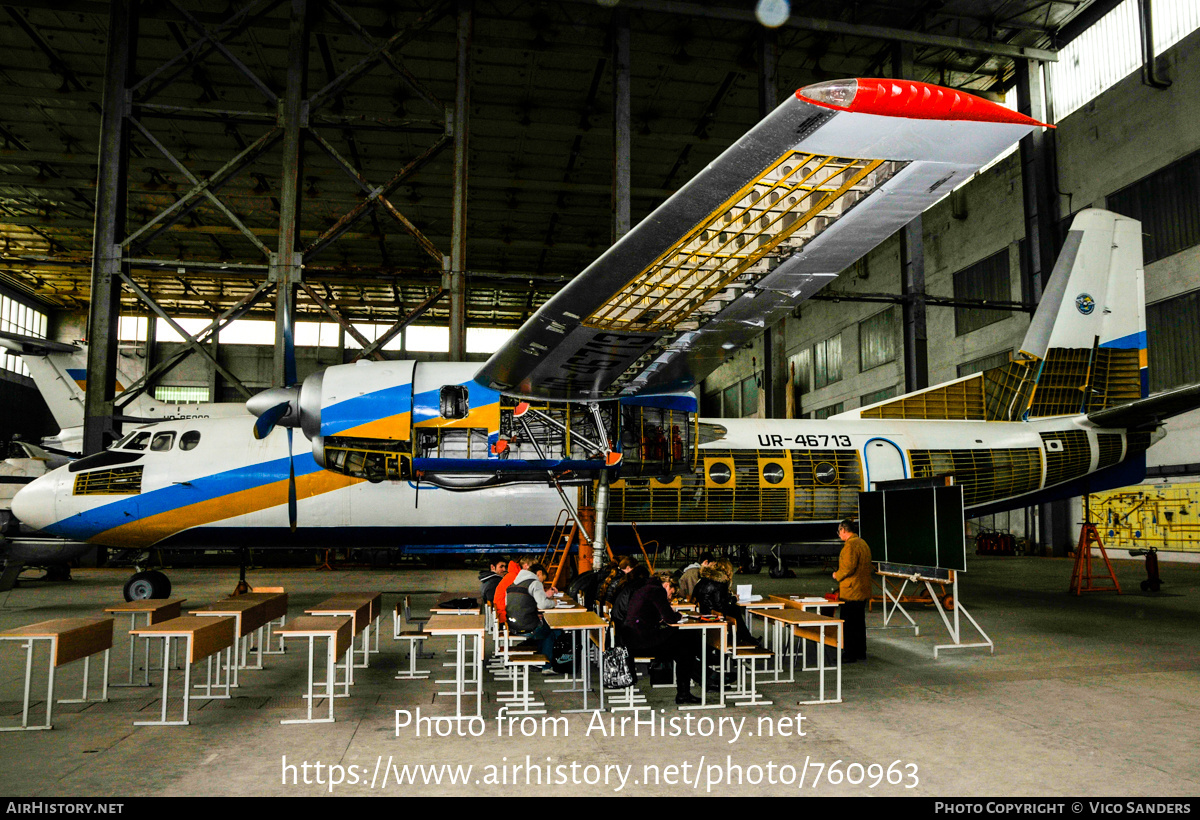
x=579 y=623
x=364 y=607
x=810 y=627
x=70 y=639
x=277 y=607
x=722 y=633
x=250 y=617
x=338 y=632
x=156 y=611
x=463 y=627
x=204 y=639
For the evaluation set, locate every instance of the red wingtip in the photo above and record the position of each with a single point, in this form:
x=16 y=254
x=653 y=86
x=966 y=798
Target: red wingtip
x=909 y=98
x=520 y=409
x=613 y=459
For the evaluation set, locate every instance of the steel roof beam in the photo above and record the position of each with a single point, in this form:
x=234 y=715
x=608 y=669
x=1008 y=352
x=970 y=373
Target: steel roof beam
x=841 y=28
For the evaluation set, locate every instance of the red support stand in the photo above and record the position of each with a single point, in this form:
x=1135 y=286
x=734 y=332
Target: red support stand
x=1082 y=579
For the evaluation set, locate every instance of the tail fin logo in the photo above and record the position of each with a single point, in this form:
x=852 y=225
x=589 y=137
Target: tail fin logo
x=1085 y=304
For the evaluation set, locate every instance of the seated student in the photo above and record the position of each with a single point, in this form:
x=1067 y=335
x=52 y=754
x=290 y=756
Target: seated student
x=637 y=578
x=608 y=592
x=691 y=575
x=714 y=594
x=646 y=633
x=490 y=578
x=527 y=596
x=498 y=597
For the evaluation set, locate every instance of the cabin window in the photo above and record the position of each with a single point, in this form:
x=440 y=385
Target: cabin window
x=454 y=403
x=162 y=442
x=189 y=440
x=719 y=473
x=138 y=442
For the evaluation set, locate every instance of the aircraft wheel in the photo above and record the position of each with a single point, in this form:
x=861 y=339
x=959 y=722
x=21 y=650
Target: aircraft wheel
x=144 y=585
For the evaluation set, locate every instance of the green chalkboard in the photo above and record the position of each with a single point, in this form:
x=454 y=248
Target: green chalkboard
x=921 y=527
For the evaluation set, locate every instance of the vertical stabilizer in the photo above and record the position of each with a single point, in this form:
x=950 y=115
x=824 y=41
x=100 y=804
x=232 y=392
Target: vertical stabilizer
x=1095 y=296
x=1085 y=349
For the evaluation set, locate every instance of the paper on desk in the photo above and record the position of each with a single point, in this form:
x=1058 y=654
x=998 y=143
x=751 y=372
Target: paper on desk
x=750 y=599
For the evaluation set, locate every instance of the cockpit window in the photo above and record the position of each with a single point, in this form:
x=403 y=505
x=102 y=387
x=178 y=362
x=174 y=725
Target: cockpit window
x=189 y=440
x=137 y=442
x=162 y=442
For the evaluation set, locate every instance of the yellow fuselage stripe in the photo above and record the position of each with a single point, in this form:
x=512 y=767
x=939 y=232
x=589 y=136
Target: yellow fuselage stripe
x=154 y=528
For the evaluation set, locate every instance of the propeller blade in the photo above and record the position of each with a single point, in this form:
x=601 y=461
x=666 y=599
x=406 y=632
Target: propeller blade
x=291 y=484
x=265 y=423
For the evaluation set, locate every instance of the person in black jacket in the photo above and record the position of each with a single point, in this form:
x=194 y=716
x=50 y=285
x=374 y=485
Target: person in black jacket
x=713 y=593
x=646 y=632
x=489 y=578
x=637 y=578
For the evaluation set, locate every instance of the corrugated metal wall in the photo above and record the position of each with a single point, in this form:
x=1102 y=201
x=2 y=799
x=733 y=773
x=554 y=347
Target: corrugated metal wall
x=1168 y=204
x=1173 y=337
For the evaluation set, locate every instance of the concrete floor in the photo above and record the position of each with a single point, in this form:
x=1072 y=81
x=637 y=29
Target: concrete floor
x=1086 y=696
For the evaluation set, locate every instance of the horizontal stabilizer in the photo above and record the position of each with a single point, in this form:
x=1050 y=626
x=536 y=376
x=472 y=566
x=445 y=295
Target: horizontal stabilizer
x=32 y=345
x=1150 y=411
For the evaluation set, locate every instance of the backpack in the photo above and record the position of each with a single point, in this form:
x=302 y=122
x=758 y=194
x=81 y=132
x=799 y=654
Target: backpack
x=521 y=609
x=583 y=588
x=563 y=655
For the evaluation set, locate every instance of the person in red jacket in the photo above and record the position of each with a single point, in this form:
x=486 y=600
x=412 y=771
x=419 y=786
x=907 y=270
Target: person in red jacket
x=502 y=588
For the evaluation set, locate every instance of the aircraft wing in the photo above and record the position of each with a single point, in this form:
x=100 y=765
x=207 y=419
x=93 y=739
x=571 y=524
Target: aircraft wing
x=1149 y=412
x=814 y=186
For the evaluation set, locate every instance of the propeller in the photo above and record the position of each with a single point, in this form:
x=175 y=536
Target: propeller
x=281 y=406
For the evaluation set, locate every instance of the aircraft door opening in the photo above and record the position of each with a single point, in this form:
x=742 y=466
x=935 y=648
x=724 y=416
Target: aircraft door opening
x=885 y=462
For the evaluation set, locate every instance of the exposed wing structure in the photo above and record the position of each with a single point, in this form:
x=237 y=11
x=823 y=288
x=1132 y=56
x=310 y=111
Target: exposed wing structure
x=827 y=176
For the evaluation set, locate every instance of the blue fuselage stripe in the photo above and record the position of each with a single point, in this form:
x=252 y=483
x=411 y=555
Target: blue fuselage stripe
x=360 y=410
x=206 y=488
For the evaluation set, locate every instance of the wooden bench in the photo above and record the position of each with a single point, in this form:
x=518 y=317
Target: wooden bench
x=277 y=606
x=520 y=700
x=251 y=617
x=70 y=639
x=364 y=607
x=203 y=639
x=156 y=610
x=338 y=632
x=411 y=636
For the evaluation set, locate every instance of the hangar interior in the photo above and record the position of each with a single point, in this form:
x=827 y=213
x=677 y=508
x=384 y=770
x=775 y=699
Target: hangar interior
x=182 y=180
x=429 y=175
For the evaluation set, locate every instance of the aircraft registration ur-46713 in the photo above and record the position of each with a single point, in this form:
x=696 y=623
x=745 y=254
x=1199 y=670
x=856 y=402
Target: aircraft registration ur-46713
x=591 y=396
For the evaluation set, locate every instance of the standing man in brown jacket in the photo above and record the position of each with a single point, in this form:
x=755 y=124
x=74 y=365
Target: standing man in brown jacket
x=854 y=588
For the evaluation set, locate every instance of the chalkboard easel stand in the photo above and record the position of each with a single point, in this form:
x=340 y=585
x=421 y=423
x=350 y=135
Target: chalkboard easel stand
x=955 y=629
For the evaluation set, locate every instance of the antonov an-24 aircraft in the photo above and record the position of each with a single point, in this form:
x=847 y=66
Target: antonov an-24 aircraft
x=593 y=391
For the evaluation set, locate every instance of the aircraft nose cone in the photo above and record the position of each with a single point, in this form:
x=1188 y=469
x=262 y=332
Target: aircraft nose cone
x=34 y=503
